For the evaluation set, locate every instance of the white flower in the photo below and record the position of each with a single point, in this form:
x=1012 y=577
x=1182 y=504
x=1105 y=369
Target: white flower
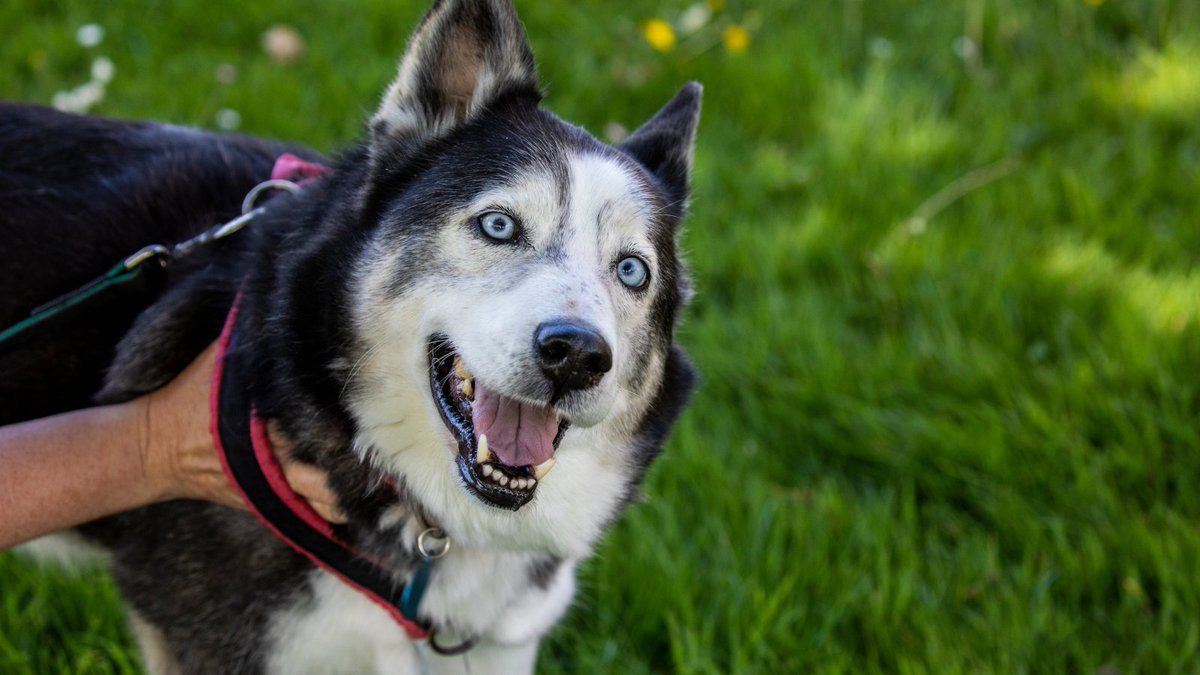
x=90 y=34
x=965 y=47
x=615 y=132
x=229 y=119
x=80 y=99
x=283 y=44
x=102 y=69
x=64 y=101
x=694 y=18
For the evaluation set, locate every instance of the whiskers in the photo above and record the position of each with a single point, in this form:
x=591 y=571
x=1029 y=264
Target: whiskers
x=358 y=365
x=440 y=361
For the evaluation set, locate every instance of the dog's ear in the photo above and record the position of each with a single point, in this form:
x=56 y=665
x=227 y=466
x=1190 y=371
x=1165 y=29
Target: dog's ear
x=664 y=144
x=463 y=56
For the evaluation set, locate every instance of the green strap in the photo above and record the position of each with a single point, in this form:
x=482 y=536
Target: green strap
x=119 y=274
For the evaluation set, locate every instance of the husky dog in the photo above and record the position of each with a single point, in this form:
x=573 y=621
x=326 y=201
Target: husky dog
x=469 y=324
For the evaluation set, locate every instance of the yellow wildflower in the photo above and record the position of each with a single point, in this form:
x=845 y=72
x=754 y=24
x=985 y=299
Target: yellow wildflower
x=716 y=5
x=659 y=34
x=736 y=39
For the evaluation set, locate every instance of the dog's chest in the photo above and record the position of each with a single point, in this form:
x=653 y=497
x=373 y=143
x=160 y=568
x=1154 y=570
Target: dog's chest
x=493 y=600
x=338 y=630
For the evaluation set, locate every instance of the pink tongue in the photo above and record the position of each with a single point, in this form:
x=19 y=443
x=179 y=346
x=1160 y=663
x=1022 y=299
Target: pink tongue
x=517 y=434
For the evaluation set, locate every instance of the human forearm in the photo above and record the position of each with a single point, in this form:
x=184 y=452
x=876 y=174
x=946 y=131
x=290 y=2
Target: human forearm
x=68 y=469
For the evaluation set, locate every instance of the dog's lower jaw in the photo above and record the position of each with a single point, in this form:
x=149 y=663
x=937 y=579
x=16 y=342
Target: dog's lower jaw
x=565 y=518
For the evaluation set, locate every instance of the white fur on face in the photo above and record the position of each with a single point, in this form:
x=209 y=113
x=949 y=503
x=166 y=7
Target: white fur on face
x=489 y=299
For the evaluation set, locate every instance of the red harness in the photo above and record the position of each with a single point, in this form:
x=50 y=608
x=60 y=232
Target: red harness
x=242 y=442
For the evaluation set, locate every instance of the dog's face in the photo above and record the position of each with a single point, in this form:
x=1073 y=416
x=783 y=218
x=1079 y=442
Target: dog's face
x=517 y=298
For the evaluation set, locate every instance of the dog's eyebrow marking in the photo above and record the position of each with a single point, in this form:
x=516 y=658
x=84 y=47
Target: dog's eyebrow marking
x=562 y=177
x=602 y=215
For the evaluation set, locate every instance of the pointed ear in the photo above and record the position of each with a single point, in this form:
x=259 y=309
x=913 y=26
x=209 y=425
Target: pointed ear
x=664 y=144
x=463 y=56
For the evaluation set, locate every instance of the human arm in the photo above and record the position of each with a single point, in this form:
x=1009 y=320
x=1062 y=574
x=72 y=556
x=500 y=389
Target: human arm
x=60 y=471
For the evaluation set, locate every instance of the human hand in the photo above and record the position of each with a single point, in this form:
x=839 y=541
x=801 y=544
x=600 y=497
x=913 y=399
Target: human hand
x=178 y=457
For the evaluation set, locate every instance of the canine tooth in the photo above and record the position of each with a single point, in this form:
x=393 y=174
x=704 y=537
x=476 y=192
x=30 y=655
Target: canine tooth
x=542 y=469
x=467 y=387
x=461 y=370
x=503 y=480
x=482 y=454
x=487 y=469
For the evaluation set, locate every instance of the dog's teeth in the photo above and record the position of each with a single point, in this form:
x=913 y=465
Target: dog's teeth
x=519 y=483
x=503 y=480
x=467 y=387
x=487 y=469
x=542 y=469
x=530 y=482
x=461 y=370
x=482 y=454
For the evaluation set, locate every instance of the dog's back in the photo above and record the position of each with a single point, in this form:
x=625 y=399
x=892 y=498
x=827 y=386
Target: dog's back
x=79 y=194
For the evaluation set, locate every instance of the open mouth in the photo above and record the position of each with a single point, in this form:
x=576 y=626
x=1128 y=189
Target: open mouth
x=505 y=447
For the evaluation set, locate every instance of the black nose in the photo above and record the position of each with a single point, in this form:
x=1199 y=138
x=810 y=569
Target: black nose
x=573 y=355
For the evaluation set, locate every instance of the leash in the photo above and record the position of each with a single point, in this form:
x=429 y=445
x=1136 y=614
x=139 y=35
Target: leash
x=156 y=257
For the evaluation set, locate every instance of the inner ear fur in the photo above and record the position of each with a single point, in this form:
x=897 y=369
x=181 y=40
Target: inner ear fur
x=464 y=55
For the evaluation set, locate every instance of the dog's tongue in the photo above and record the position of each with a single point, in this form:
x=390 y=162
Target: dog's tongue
x=517 y=434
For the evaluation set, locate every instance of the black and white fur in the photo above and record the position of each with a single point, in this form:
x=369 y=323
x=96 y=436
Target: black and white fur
x=343 y=285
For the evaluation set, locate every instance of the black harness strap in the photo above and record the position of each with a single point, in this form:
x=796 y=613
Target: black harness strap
x=242 y=443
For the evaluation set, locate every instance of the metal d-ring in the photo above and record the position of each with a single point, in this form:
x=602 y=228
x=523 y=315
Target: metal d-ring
x=455 y=650
x=273 y=184
x=432 y=553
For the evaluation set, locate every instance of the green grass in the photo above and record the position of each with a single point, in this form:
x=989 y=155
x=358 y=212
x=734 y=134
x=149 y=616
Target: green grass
x=948 y=321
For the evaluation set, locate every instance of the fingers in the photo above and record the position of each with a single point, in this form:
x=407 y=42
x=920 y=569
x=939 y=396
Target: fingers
x=178 y=454
x=309 y=482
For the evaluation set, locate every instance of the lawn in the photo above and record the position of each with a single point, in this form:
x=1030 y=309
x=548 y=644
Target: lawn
x=948 y=319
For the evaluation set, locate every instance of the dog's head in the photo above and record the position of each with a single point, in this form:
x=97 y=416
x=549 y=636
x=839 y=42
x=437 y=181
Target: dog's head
x=515 y=304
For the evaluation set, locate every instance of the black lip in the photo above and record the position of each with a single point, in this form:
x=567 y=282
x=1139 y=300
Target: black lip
x=441 y=361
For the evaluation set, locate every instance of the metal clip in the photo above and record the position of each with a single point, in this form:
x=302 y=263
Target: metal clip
x=147 y=253
x=273 y=184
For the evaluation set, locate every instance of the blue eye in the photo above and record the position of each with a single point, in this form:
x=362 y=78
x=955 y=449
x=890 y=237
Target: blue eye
x=498 y=226
x=632 y=272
